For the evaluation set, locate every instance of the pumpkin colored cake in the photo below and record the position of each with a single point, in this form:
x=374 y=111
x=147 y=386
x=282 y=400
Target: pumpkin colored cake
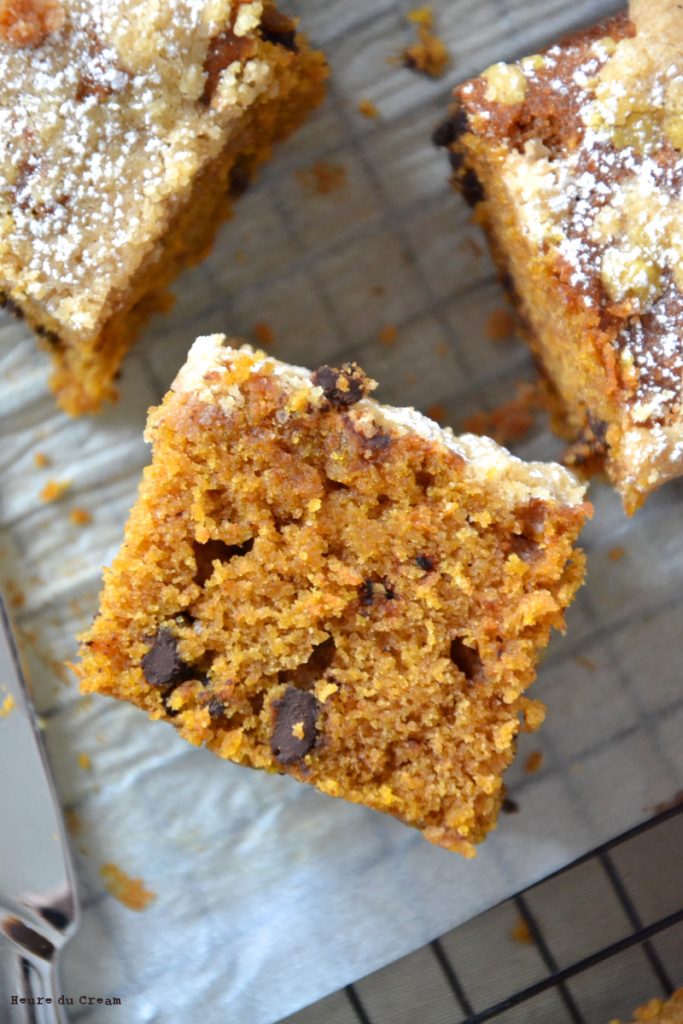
x=573 y=161
x=316 y=584
x=660 y=1011
x=127 y=130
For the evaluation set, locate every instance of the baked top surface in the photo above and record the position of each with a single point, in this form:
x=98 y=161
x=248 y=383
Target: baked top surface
x=104 y=123
x=587 y=137
x=314 y=583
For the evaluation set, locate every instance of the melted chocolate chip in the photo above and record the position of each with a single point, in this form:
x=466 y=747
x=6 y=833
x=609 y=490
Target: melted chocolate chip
x=30 y=940
x=450 y=130
x=425 y=562
x=295 y=717
x=162 y=665
x=466 y=659
x=471 y=188
x=344 y=387
x=216 y=708
x=510 y=806
x=279 y=29
x=366 y=593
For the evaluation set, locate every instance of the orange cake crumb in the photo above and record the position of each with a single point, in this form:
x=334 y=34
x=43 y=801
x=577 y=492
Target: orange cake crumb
x=616 y=553
x=54 y=490
x=15 y=595
x=129 y=891
x=80 y=516
x=533 y=762
x=368 y=109
x=40 y=460
x=322 y=177
x=28 y=22
x=7 y=705
x=73 y=822
x=500 y=325
x=388 y=334
x=511 y=420
x=429 y=55
x=436 y=412
x=586 y=662
x=660 y=1011
x=340 y=590
x=264 y=333
x=84 y=762
x=522 y=933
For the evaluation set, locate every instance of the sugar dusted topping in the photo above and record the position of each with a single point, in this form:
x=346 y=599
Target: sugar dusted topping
x=611 y=203
x=203 y=373
x=101 y=133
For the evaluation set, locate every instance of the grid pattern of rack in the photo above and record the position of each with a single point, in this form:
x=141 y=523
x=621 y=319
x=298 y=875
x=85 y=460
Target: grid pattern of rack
x=590 y=943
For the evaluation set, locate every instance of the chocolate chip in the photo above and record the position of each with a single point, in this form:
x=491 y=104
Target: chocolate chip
x=425 y=562
x=371 y=589
x=295 y=717
x=11 y=306
x=452 y=129
x=279 y=29
x=366 y=593
x=443 y=135
x=510 y=806
x=49 y=336
x=471 y=188
x=162 y=665
x=343 y=387
x=377 y=443
x=465 y=658
x=216 y=708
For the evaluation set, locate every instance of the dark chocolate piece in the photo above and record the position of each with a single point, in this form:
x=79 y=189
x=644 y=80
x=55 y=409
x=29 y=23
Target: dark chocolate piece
x=344 y=387
x=279 y=29
x=471 y=188
x=425 y=562
x=295 y=712
x=162 y=665
x=216 y=708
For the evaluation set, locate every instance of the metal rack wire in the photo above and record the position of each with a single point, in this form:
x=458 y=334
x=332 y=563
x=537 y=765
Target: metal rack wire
x=558 y=977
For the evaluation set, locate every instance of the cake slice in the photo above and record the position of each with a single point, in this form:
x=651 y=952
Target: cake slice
x=127 y=130
x=573 y=161
x=316 y=584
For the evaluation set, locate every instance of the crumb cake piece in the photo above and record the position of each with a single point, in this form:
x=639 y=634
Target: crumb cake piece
x=127 y=130
x=316 y=584
x=572 y=159
x=660 y=1011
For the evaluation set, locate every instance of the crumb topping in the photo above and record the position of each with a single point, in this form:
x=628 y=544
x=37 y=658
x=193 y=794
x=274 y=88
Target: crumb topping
x=105 y=112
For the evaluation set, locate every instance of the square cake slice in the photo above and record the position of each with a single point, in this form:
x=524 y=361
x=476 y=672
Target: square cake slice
x=316 y=584
x=127 y=130
x=573 y=160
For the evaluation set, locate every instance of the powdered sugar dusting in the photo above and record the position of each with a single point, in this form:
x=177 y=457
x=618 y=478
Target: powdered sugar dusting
x=102 y=133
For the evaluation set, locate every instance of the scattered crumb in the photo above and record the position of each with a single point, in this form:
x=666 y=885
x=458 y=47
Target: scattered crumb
x=377 y=289
x=441 y=348
x=15 y=595
x=80 y=516
x=509 y=806
x=84 y=762
x=521 y=933
x=500 y=325
x=585 y=662
x=669 y=805
x=436 y=412
x=322 y=177
x=368 y=109
x=27 y=22
x=54 y=489
x=511 y=420
x=129 y=891
x=7 y=706
x=40 y=460
x=429 y=54
x=533 y=762
x=616 y=553
x=264 y=333
x=73 y=822
x=388 y=334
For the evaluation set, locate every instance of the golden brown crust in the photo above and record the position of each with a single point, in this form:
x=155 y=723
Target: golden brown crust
x=312 y=586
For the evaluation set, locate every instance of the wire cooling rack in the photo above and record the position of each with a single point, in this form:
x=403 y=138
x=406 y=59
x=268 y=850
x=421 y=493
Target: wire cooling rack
x=586 y=945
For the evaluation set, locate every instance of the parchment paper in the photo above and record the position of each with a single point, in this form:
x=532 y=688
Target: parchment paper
x=269 y=895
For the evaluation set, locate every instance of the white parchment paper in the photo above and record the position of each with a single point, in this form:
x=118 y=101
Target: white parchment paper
x=269 y=895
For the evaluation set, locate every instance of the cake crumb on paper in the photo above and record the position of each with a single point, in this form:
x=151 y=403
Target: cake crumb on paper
x=8 y=705
x=534 y=762
x=80 y=516
x=264 y=333
x=500 y=325
x=54 y=490
x=510 y=421
x=129 y=891
x=521 y=933
x=40 y=460
x=428 y=55
x=368 y=109
x=616 y=553
x=322 y=177
x=387 y=335
x=84 y=762
x=436 y=412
